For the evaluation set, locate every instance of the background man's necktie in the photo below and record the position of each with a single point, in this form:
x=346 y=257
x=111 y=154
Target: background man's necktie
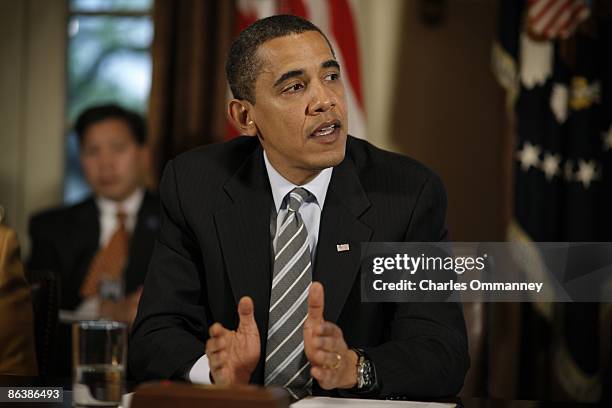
x=286 y=364
x=109 y=262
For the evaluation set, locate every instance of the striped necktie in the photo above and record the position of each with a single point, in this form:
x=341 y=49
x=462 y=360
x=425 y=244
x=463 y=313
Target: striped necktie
x=286 y=364
x=110 y=261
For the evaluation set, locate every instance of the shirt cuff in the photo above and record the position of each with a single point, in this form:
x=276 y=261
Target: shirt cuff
x=89 y=308
x=200 y=371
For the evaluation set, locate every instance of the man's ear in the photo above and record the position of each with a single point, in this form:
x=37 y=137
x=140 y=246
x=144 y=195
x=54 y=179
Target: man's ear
x=239 y=114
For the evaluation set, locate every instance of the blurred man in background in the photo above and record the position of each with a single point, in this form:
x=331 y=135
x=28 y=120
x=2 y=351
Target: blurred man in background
x=101 y=246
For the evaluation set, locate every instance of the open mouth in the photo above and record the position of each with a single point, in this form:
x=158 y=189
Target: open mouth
x=108 y=182
x=326 y=129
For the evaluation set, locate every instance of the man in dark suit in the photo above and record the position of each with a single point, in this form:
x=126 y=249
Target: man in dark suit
x=255 y=276
x=101 y=247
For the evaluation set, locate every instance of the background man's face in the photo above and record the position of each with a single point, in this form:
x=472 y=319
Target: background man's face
x=300 y=107
x=111 y=159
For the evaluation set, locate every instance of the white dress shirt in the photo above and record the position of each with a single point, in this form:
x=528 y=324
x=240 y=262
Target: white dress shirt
x=108 y=210
x=311 y=215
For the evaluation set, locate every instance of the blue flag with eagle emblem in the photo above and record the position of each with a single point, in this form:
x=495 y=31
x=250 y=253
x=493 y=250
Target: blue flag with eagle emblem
x=559 y=95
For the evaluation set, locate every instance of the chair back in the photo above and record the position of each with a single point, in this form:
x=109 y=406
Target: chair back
x=45 y=301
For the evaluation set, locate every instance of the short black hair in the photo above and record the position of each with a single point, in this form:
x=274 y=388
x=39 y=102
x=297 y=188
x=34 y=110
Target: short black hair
x=98 y=113
x=243 y=65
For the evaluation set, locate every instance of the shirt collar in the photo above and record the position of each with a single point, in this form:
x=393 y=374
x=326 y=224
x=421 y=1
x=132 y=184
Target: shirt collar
x=281 y=186
x=130 y=205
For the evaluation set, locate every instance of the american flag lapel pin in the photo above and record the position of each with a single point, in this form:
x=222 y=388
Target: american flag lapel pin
x=342 y=247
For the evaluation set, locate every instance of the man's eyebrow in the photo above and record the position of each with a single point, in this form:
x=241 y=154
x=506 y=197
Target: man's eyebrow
x=299 y=72
x=330 y=63
x=287 y=75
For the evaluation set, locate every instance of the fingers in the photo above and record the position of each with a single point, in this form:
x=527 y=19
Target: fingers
x=316 y=301
x=233 y=355
x=216 y=351
x=326 y=359
x=327 y=329
x=325 y=344
x=325 y=377
x=338 y=369
x=215 y=344
x=325 y=349
x=217 y=360
x=326 y=336
x=217 y=330
x=221 y=376
x=246 y=315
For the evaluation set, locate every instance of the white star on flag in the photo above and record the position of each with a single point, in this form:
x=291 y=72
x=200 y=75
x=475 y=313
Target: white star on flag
x=558 y=102
x=529 y=156
x=587 y=172
x=607 y=139
x=550 y=165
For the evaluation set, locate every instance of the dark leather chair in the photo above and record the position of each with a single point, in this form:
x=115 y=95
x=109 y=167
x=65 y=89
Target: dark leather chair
x=45 y=301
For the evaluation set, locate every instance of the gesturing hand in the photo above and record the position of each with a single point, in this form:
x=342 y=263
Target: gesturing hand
x=333 y=363
x=233 y=354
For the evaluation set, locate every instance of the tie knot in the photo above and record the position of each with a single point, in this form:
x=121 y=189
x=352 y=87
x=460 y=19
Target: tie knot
x=297 y=196
x=121 y=217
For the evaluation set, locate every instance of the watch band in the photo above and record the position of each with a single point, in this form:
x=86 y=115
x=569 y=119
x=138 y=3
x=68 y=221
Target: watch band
x=366 y=374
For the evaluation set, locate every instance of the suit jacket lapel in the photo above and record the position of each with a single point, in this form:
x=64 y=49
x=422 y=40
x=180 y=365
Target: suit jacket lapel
x=340 y=224
x=244 y=233
x=88 y=224
x=141 y=242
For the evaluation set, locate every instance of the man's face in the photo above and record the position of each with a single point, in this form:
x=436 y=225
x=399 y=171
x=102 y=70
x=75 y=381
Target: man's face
x=111 y=159
x=300 y=108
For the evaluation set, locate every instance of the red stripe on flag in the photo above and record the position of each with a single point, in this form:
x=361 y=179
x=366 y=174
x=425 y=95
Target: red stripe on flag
x=580 y=13
x=532 y=7
x=543 y=17
x=243 y=20
x=343 y=30
x=563 y=19
x=544 y=10
x=294 y=7
x=548 y=28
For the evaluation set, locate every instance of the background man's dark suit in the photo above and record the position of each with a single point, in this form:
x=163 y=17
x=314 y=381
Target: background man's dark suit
x=215 y=247
x=65 y=240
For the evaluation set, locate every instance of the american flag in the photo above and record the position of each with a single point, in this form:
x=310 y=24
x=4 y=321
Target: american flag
x=343 y=247
x=550 y=19
x=562 y=126
x=336 y=18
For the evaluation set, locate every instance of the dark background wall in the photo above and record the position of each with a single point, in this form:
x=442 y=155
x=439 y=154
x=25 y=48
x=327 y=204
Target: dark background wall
x=449 y=113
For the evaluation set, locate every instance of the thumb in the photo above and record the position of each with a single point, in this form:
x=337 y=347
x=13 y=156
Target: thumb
x=246 y=315
x=316 y=301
